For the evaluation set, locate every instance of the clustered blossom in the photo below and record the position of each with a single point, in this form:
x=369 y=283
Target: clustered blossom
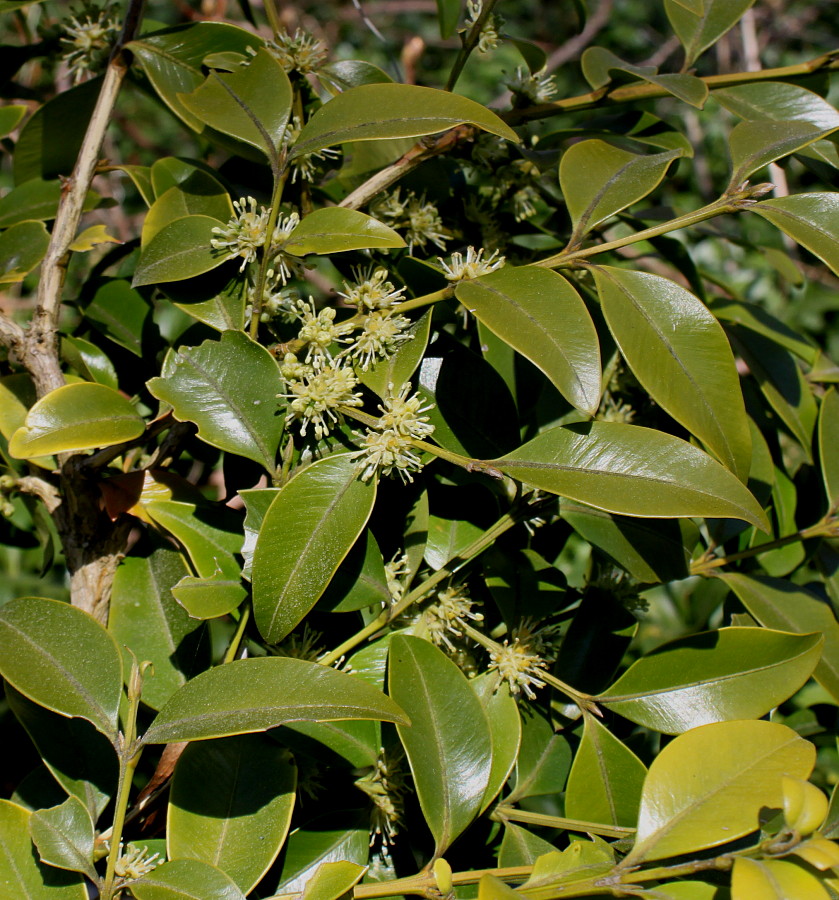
x=372 y=290
x=381 y=335
x=134 y=862
x=317 y=395
x=537 y=87
x=285 y=264
x=390 y=447
x=448 y=615
x=244 y=234
x=419 y=220
x=385 y=786
x=304 y=166
x=318 y=330
x=277 y=301
x=88 y=41
x=300 y=52
x=395 y=572
x=473 y=266
x=490 y=38
x=519 y=665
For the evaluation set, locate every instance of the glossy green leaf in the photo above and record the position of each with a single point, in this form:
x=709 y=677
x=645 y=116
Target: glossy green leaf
x=811 y=220
x=755 y=144
x=360 y=581
x=251 y=104
x=64 y=836
x=332 y=880
x=544 y=759
x=186 y=879
x=338 y=76
x=209 y=597
x=631 y=470
x=605 y=781
x=173 y=58
x=681 y=356
x=381 y=111
x=224 y=308
x=89 y=361
x=35 y=200
x=598 y=63
x=448 y=15
x=198 y=195
x=76 y=417
x=256 y=694
x=502 y=713
x=520 y=847
x=50 y=140
x=141 y=179
x=778 y=101
x=257 y=502
x=22 y=247
x=179 y=250
x=448 y=744
x=318 y=842
x=230 y=805
x=21 y=873
x=79 y=758
x=121 y=313
x=10 y=118
x=145 y=618
x=774 y=879
x=447 y=538
x=308 y=530
x=357 y=741
x=228 y=389
x=698 y=31
x=210 y=535
x=399 y=368
x=17 y=396
x=733 y=673
x=720 y=802
x=828 y=441
x=779 y=604
x=538 y=312
x=335 y=230
x=598 y=180
x=45 y=652
x=756 y=318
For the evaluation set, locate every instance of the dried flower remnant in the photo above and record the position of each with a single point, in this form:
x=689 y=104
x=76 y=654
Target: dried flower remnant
x=244 y=234
x=446 y=617
x=88 y=40
x=473 y=266
x=300 y=52
x=537 y=87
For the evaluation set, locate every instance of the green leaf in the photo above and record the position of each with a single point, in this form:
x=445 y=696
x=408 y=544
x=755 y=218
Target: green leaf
x=447 y=538
x=828 y=441
x=757 y=319
x=539 y=313
x=186 y=879
x=21 y=873
x=332 y=880
x=774 y=879
x=10 y=118
x=502 y=713
x=256 y=694
x=36 y=200
x=605 y=781
x=198 y=195
x=141 y=179
x=64 y=836
x=178 y=251
x=448 y=744
x=778 y=101
x=598 y=63
x=228 y=389
x=334 y=230
x=319 y=842
x=448 y=15
x=544 y=759
x=230 y=805
x=210 y=597
x=733 y=673
x=520 y=847
x=755 y=144
x=46 y=648
x=145 y=618
x=76 y=417
x=89 y=361
x=80 y=759
x=358 y=742
x=310 y=527
x=346 y=73
x=381 y=111
x=397 y=369
x=599 y=180
x=121 y=313
x=699 y=30
x=22 y=247
x=779 y=604
x=173 y=58
x=681 y=356
x=631 y=470
x=252 y=104
x=811 y=220
x=360 y=581
x=720 y=802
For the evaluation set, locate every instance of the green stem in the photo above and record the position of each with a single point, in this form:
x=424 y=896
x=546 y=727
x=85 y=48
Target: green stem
x=827 y=527
x=129 y=756
x=425 y=882
x=280 y=176
x=469 y=43
x=507 y=813
x=235 y=643
x=425 y=300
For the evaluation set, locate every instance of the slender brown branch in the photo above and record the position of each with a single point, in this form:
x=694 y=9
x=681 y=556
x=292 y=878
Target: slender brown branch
x=46 y=492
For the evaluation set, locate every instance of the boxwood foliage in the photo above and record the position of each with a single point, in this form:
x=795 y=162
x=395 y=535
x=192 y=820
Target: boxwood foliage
x=430 y=497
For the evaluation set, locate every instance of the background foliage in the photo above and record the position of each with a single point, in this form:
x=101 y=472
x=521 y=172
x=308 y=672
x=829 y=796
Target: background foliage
x=417 y=434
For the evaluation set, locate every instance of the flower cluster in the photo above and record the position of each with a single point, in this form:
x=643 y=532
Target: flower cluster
x=317 y=392
x=537 y=87
x=521 y=661
x=395 y=572
x=446 y=617
x=319 y=330
x=390 y=446
x=134 y=862
x=385 y=786
x=300 y=52
x=473 y=266
x=419 y=219
x=490 y=38
x=88 y=40
x=304 y=166
x=372 y=290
